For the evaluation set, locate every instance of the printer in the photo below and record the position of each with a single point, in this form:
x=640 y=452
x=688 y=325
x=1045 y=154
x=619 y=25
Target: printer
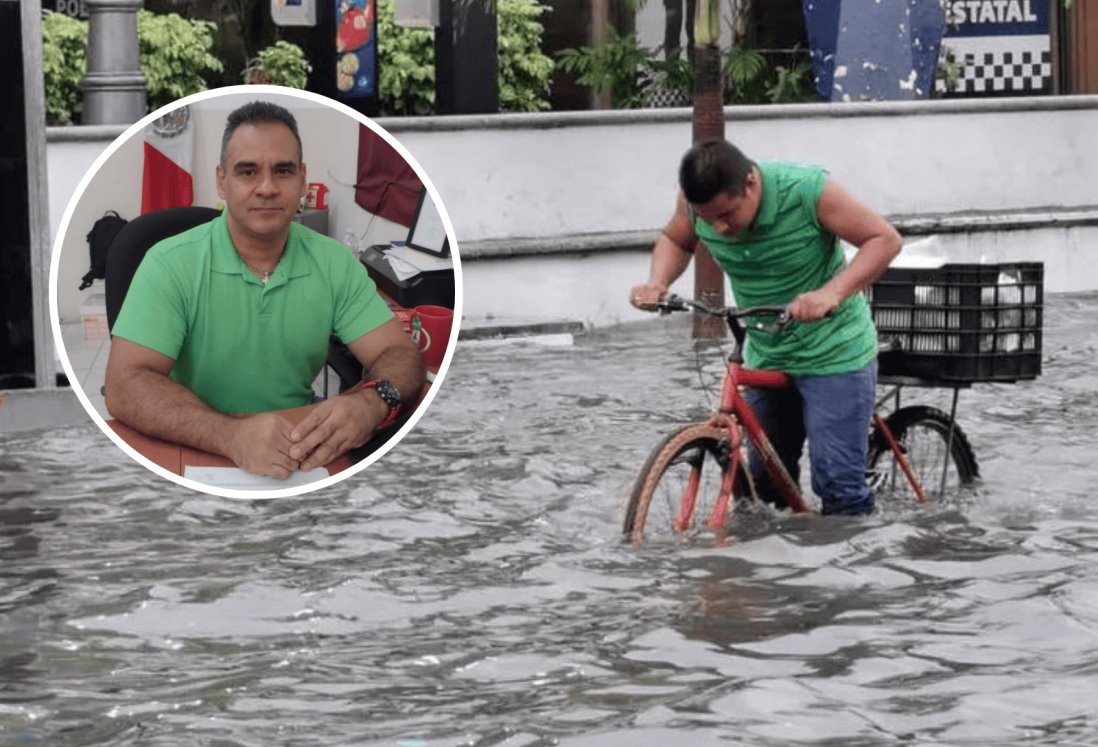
x=425 y=287
x=415 y=286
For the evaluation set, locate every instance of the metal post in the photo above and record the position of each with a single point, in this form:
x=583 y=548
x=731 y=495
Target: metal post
x=34 y=112
x=114 y=87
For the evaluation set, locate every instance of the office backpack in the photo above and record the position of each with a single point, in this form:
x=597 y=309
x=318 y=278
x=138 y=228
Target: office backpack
x=100 y=237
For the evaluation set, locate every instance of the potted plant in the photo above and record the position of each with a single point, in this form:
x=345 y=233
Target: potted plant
x=281 y=64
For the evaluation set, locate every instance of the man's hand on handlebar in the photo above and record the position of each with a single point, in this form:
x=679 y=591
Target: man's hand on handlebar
x=647 y=297
x=813 y=306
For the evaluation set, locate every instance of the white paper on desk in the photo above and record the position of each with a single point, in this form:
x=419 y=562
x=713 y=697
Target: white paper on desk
x=422 y=261
x=234 y=477
x=401 y=269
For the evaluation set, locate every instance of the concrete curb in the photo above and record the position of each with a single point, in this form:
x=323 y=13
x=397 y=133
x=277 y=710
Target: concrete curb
x=40 y=409
x=502 y=331
x=908 y=225
x=618 y=117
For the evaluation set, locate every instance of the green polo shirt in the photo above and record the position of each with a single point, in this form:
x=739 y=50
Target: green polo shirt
x=238 y=344
x=786 y=252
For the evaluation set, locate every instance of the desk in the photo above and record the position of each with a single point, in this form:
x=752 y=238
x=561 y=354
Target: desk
x=176 y=457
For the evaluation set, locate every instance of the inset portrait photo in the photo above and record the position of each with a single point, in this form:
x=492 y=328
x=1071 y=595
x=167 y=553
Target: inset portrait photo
x=255 y=291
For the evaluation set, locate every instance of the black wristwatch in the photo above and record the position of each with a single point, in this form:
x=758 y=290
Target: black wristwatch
x=389 y=394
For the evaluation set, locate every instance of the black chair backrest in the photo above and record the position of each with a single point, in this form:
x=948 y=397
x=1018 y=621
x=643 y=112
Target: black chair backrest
x=136 y=238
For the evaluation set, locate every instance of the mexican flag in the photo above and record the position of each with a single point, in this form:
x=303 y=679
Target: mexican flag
x=169 y=155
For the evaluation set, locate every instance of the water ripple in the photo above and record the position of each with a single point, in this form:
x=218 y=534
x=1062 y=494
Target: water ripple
x=472 y=589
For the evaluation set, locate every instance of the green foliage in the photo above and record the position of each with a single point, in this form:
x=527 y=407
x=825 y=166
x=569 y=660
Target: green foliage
x=744 y=66
x=792 y=84
x=175 y=55
x=615 y=65
x=750 y=77
x=406 y=65
x=633 y=74
x=524 y=71
x=948 y=70
x=63 y=64
x=281 y=64
x=673 y=74
x=406 y=61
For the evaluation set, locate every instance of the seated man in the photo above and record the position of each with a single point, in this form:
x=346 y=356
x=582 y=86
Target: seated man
x=231 y=320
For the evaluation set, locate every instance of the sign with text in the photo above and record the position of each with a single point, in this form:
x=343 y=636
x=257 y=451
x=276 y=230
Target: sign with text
x=996 y=17
x=74 y=8
x=1000 y=47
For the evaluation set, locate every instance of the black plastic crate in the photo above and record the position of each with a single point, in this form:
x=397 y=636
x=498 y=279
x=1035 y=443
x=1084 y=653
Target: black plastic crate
x=961 y=322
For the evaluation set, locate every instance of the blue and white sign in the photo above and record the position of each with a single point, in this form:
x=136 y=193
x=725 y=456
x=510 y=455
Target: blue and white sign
x=1002 y=46
x=996 y=17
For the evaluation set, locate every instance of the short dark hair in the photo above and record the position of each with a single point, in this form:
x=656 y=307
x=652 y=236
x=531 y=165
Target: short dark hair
x=259 y=112
x=711 y=167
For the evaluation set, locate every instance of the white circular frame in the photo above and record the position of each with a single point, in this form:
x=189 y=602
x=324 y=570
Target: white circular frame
x=270 y=93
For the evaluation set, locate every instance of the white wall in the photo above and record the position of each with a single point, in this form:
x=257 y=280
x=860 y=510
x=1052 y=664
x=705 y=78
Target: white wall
x=330 y=141
x=617 y=172
x=591 y=288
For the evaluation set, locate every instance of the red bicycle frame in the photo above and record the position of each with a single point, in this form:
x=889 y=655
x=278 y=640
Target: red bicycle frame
x=735 y=416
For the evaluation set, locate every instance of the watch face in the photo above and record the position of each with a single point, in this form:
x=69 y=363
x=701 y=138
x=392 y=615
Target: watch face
x=389 y=393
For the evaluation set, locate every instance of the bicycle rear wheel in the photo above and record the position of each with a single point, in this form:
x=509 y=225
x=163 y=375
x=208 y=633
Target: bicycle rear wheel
x=678 y=486
x=922 y=433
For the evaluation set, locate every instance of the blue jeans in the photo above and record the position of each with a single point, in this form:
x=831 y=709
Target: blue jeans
x=834 y=413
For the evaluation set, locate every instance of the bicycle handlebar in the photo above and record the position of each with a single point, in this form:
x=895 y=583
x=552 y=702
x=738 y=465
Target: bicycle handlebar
x=677 y=303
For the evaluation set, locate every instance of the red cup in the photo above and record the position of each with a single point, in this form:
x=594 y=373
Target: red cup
x=316 y=196
x=432 y=333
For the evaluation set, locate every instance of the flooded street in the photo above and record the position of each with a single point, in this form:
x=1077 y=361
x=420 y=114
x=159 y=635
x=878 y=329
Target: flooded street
x=472 y=588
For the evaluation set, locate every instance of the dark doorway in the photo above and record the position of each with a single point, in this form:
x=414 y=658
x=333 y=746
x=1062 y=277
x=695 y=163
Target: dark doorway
x=16 y=300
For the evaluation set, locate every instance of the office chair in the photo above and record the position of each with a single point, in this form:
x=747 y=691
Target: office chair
x=143 y=232
x=135 y=239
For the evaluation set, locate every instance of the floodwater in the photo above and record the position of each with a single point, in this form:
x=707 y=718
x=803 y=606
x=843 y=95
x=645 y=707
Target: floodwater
x=472 y=588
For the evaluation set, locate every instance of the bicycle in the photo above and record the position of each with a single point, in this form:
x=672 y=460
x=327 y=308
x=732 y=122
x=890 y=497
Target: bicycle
x=906 y=448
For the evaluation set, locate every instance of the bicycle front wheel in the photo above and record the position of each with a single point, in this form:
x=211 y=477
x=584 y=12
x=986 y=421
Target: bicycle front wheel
x=680 y=484
x=922 y=434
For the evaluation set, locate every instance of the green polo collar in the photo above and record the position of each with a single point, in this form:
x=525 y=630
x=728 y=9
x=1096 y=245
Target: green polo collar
x=768 y=200
x=294 y=263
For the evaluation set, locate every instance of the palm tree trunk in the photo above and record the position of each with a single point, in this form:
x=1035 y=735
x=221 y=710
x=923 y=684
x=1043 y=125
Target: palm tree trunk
x=708 y=124
x=600 y=25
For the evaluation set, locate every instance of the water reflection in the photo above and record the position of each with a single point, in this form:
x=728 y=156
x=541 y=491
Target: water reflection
x=472 y=589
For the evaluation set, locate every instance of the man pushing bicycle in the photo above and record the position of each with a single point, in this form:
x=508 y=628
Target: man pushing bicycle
x=774 y=226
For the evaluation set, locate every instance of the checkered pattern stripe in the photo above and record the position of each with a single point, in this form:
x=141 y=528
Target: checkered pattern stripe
x=658 y=98
x=1002 y=72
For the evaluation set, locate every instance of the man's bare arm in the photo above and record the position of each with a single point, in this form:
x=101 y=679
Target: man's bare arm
x=877 y=241
x=349 y=420
x=140 y=394
x=388 y=352
x=670 y=257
